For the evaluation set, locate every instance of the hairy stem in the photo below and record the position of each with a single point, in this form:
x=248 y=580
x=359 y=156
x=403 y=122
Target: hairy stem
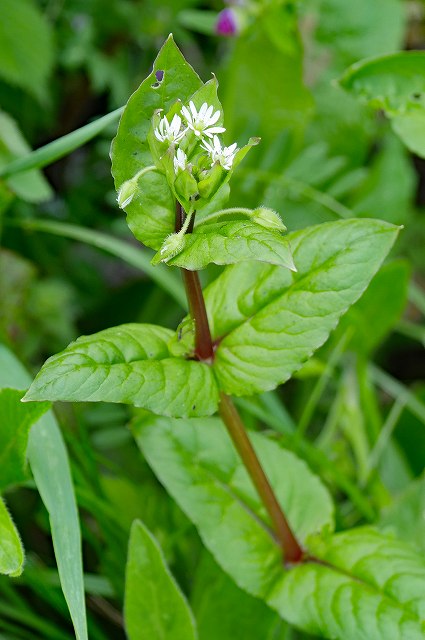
x=231 y=418
x=204 y=350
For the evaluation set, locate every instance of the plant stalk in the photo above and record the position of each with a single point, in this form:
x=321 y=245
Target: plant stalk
x=204 y=350
x=291 y=549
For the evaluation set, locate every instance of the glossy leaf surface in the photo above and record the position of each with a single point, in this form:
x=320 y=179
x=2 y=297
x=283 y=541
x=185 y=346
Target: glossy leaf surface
x=132 y=364
x=230 y=243
x=275 y=318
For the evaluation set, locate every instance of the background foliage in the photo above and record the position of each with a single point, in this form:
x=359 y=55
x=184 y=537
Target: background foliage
x=69 y=266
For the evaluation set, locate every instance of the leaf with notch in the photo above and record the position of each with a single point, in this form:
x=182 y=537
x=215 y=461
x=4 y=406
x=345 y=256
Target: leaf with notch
x=232 y=242
x=275 y=318
x=396 y=84
x=154 y=606
x=359 y=584
x=16 y=420
x=150 y=215
x=131 y=364
x=11 y=550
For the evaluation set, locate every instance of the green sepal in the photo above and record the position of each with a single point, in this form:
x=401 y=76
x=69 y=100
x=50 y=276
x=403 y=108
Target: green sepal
x=209 y=185
x=186 y=188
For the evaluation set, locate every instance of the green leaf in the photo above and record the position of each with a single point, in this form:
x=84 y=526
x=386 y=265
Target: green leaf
x=11 y=550
x=377 y=312
x=154 y=606
x=16 y=420
x=150 y=214
x=396 y=84
x=224 y=611
x=49 y=463
x=132 y=364
x=275 y=318
x=30 y=185
x=196 y=462
x=26 y=54
x=370 y=587
x=232 y=242
x=354 y=585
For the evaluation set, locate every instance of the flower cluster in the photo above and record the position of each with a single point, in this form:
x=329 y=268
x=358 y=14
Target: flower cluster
x=202 y=123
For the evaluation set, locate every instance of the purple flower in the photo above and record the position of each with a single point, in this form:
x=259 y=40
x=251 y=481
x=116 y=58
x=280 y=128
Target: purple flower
x=226 y=24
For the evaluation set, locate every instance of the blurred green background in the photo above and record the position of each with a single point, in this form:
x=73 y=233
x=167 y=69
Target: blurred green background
x=359 y=405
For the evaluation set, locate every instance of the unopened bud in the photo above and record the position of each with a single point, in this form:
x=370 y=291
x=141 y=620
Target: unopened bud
x=226 y=24
x=171 y=246
x=268 y=218
x=126 y=193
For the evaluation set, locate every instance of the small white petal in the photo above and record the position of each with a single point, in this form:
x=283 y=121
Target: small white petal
x=202 y=111
x=213 y=119
x=193 y=109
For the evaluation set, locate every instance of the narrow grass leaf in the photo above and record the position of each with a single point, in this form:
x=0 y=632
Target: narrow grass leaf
x=49 y=463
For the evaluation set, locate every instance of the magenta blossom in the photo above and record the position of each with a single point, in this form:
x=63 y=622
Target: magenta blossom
x=226 y=24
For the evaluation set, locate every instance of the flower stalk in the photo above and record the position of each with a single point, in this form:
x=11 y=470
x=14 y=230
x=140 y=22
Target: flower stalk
x=204 y=351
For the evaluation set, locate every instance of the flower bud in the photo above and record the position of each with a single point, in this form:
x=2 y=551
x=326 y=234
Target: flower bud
x=171 y=246
x=226 y=24
x=126 y=193
x=268 y=218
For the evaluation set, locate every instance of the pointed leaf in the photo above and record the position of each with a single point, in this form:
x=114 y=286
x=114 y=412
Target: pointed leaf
x=16 y=420
x=49 y=463
x=232 y=242
x=276 y=318
x=154 y=605
x=150 y=214
x=11 y=550
x=132 y=364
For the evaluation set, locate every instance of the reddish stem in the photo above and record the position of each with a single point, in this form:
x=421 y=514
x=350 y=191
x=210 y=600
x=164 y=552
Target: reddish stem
x=204 y=351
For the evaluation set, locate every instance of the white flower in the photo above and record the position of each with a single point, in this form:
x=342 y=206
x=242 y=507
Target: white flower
x=180 y=160
x=169 y=132
x=201 y=122
x=223 y=155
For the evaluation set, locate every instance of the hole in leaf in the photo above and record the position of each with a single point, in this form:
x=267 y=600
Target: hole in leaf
x=416 y=96
x=159 y=75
